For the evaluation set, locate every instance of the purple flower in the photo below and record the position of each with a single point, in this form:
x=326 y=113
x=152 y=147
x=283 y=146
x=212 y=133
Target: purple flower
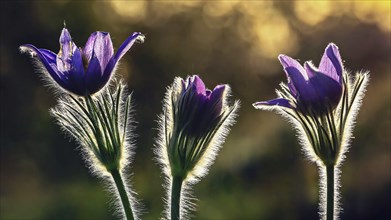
x=312 y=87
x=198 y=106
x=82 y=71
x=192 y=129
x=322 y=104
x=194 y=124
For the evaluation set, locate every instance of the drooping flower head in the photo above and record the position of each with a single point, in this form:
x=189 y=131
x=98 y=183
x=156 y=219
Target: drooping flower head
x=82 y=71
x=312 y=88
x=193 y=125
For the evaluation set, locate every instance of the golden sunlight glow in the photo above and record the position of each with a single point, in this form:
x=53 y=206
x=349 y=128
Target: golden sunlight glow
x=255 y=8
x=218 y=9
x=266 y=29
x=273 y=35
x=312 y=12
x=262 y=24
x=374 y=12
x=136 y=10
x=166 y=9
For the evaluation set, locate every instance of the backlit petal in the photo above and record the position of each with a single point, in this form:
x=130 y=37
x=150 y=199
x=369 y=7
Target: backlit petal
x=277 y=102
x=288 y=62
x=325 y=86
x=291 y=65
x=66 y=44
x=47 y=59
x=217 y=98
x=127 y=44
x=305 y=90
x=103 y=49
x=331 y=63
x=88 y=48
x=198 y=85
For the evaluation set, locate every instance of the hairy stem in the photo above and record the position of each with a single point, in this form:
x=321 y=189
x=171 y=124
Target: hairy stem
x=330 y=192
x=123 y=194
x=176 y=197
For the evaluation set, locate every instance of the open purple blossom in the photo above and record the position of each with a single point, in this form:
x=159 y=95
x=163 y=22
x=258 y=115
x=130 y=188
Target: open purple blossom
x=82 y=71
x=322 y=104
x=312 y=87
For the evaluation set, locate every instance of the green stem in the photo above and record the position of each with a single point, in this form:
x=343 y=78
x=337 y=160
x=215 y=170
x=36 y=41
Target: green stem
x=176 y=197
x=122 y=193
x=330 y=192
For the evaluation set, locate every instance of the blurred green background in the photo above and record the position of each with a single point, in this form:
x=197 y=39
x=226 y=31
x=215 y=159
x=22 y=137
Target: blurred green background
x=260 y=172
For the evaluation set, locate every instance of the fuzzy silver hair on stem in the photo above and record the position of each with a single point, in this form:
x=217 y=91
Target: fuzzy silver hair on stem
x=192 y=129
x=94 y=115
x=103 y=126
x=322 y=105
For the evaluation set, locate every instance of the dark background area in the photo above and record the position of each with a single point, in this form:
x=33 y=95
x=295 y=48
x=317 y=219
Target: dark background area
x=260 y=172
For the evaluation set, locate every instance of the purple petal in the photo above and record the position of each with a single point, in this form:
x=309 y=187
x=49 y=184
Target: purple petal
x=291 y=65
x=325 y=86
x=66 y=43
x=88 y=48
x=70 y=64
x=76 y=74
x=305 y=90
x=103 y=49
x=49 y=55
x=288 y=62
x=93 y=76
x=67 y=47
x=216 y=98
x=77 y=62
x=277 y=102
x=198 y=85
x=47 y=59
x=218 y=92
x=309 y=73
x=127 y=44
x=331 y=63
x=98 y=71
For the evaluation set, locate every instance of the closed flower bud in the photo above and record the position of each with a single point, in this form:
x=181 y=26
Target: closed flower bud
x=193 y=126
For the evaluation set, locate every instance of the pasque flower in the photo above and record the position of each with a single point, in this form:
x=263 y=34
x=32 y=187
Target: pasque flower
x=322 y=103
x=96 y=116
x=82 y=71
x=312 y=87
x=193 y=127
x=193 y=117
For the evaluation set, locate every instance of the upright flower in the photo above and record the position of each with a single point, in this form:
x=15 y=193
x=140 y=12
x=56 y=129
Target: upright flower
x=82 y=71
x=100 y=123
x=322 y=103
x=193 y=127
x=312 y=89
